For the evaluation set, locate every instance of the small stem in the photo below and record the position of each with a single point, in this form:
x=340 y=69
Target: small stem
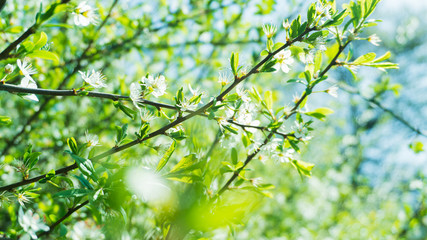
x=69 y=212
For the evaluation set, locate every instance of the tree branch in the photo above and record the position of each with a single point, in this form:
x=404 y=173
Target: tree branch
x=69 y=212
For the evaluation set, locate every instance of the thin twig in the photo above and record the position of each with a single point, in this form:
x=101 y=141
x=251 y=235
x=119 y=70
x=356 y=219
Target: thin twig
x=69 y=212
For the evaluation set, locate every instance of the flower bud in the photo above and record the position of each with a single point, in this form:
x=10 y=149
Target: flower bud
x=9 y=68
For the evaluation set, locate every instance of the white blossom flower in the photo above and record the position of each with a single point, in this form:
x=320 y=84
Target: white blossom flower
x=25 y=68
x=241 y=92
x=31 y=223
x=222 y=122
x=156 y=85
x=307 y=57
x=9 y=68
x=296 y=98
x=174 y=129
x=23 y=199
x=85 y=230
x=28 y=82
x=84 y=15
x=245 y=114
x=269 y=30
x=223 y=79
x=92 y=140
x=95 y=79
x=333 y=91
x=271 y=147
x=324 y=10
x=187 y=106
x=136 y=94
x=300 y=131
x=146 y=116
x=374 y=39
x=284 y=157
x=197 y=92
x=254 y=146
x=283 y=60
x=286 y=24
x=353 y=67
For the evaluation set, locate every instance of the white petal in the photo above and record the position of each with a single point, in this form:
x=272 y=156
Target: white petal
x=285 y=68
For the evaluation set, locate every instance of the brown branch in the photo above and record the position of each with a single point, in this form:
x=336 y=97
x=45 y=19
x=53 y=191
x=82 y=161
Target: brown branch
x=69 y=212
x=181 y=119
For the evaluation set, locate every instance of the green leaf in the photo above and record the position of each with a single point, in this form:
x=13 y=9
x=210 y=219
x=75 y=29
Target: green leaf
x=277 y=46
x=85 y=166
x=303 y=168
x=234 y=62
x=264 y=53
x=369 y=57
x=60 y=25
x=166 y=156
x=84 y=182
x=129 y=112
x=231 y=129
x=417 y=146
x=295 y=27
x=40 y=40
x=268 y=97
x=44 y=55
x=72 y=144
x=384 y=57
x=121 y=133
x=186 y=163
x=73 y=193
x=5 y=121
x=320 y=113
x=14 y=29
x=234 y=156
x=311 y=13
x=336 y=20
x=29 y=46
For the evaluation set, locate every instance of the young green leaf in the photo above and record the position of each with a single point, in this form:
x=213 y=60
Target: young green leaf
x=166 y=156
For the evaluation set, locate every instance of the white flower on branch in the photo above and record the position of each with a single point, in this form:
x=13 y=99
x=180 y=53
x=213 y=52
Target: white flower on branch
x=145 y=115
x=269 y=30
x=85 y=15
x=31 y=223
x=92 y=140
x=85 y=230
x=157 y=85
x=8 y=69
x=286 y=24
x=223 y=79
x=28 y=82
x=23 y=198
x=300 y=131
x=374 y=40
x=136 y=94
x=187 y=106
x=25 y=68
x=245 y=114
x=95 y=79
x=333 y=91
x=241 y=92
x=307 y=57
x=284 y=59
x=284 y=157
x=197 y=92
x=324 y=10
